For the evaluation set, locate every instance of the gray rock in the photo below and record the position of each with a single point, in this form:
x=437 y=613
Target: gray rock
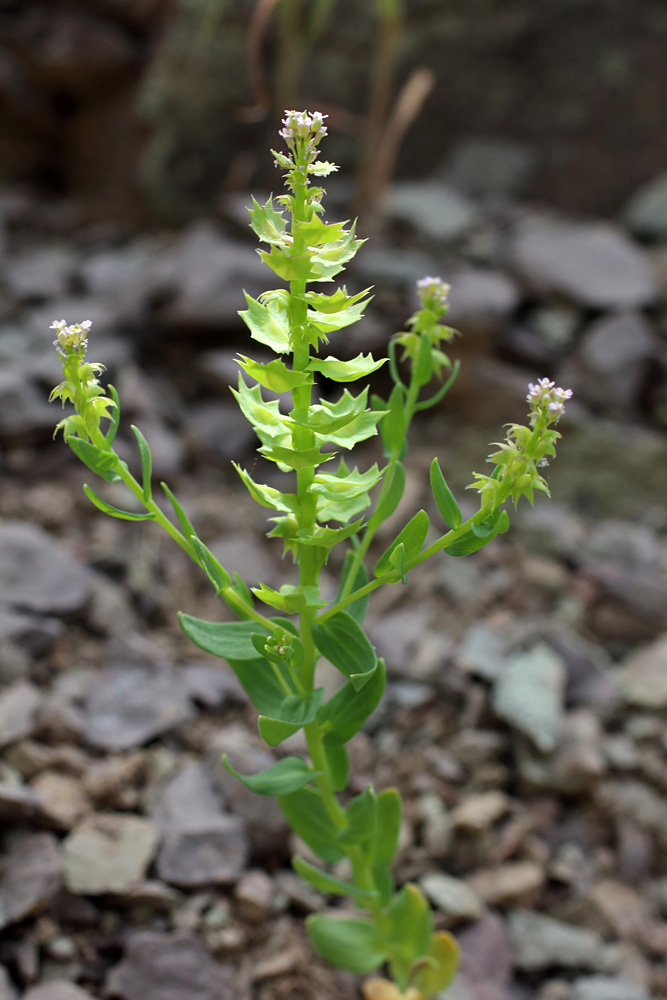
x=646 y=213
x=556 y=326
x=130 y=705
x=217 y=432
x=482 y=651
x=40 y=273
x=644 y=676
x=247 y=555
x=212 y=686
x=35 y=633
x=108 y=852
x=19 y=804
x=397 y=268
x=495 y=168
x=37 y=574
x=595 y=266
x=631 y=546
x=213 y=852
x=486 y=955
x=18 y=707
x=432 y=208
x=528 y=695
x=57 y=989
x=7 y=989
x=31 y=877
x=576 y=765
x=169 y=967
x=452 y=896
x=481 y=301
x=606 y=988
x=611 y=365
x=24 y=410
x=187 y=799
x=540 y=942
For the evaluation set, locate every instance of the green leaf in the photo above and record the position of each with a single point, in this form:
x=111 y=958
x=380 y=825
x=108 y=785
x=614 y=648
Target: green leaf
x=288 y=267
x=216 y=573
x=107 y=508
x=229 y=640
x=329 y=322
x=423 y=370
x=471 y=541
x=275 y=375
x=146 y=462
x=391 y=499
x=294 y=713
x=306 y=814
x=333 y=303
x=327 y=538
x=115 y=417
x=392 y=428
x=102 y=463
x=324 y=882
x=183 y=519
x=438 y=972
x=344 y=484
x=408 y=935
x=444 y=498
x=283 y=778
x=265 y=416
x=345 y=644
x=384 y=882
x=345 y=371
x=269 y=324
x=268 y=225
x=351 y=944
x=290 y=599
x=347 y=710
x=316 y=232
x=412 y=537
x=268 y=496
x=389 y=814
x=397 y=560
x=361 y=818
x=290 y=458
x=359 y=607
x=339 y=765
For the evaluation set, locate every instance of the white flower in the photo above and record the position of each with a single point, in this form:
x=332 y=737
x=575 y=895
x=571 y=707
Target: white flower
x=545 y=396
x=434 y=289
x=322 y=168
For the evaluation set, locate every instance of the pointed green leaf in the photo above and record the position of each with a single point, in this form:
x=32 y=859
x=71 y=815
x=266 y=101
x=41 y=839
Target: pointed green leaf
x=268 y=496
x=316 y=232
x=268 y=324
x=444 y=498
x=353 y=944
x=391 y=499
x=389 y=814
x=146 y=462
x=412 y=537
x=329 y=322
x=294 y=713
x=275 y=375
x=410 y=928
x=344 y=484
x=283 y=778
x=471 y=541
x=268 y=225
x=107 y=508
x=103 y=463
x=290 y=599
x=306 y=814
x=327 y=538
x=333 y=303
x=290 y=458
x=392 y=428
x=264 y=415
x=345 y=371
x=423 y=371
x=216 y=573
x=347 y=710
x=230 y=640
x=324 y=882
x=361 y=819
x=288 y=267
x=115 y=416
x=183 y=519
x=345 y=644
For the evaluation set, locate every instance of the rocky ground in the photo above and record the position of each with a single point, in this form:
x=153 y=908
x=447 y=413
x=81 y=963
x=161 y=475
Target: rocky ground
x=525 y=716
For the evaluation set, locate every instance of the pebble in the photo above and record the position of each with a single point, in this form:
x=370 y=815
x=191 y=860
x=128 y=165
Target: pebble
x=38 y=574
x=31 y=877
x=435 y=210
x=108 y=852
x=517 y=883
x=478 y=812
x=481 y=301
x=7 y=989
x=18 y=709
x=606 y=988
x=255 y=894
x=213 y=852
x=57 y=989
x=644 y=676
x=452 y=896
x=62 y=799
x=529 y=694
x=169 y=967
x=540 y=942
x=646 y=212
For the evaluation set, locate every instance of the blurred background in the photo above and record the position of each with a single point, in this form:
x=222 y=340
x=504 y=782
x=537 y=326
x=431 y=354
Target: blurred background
x=519 y=151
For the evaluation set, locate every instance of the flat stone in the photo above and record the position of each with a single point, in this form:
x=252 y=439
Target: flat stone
x=644 y=676
x=19 y=804
x=57 y=989
x=38 y=574
x=478 y=812
x=34 y=633
x=18 y=708
x=491 y=168
x=595 y=266
x=213 y=852
x=481 y=301
x=255 y=895
x=482 y=651
x=108 y=852
x=486 y=955
x=188 y=799
x=540 y=942
x=130 y=705
x=529 y=695
x=41 y=272
x=517 y=883
x=61 y=797
x=437 y=211
x=606 y=988
x=31 y=877
x=452 y=896
x=169 y=967
x=7 y=989
x=646 y=212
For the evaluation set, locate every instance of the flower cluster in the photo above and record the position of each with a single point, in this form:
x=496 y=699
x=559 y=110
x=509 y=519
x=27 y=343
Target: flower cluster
x=302 y=132
x=301 y=125
x=433 y=292
x=546 y=399
x=71 y=340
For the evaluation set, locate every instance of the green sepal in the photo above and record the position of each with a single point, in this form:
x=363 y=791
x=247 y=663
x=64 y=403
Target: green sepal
x=275 y=375
x=353 y=943
x=412 y=538
x=389 y=812
x=361 y=819
x=114 y=420
x=267 y=224
x=287 y=776
x=324 y=882
x=183 y=519
x=214 y=570
x=102 y=463
x=436 y=971
x=307 y=815
x=107 y=508
x=357 y=609
x=343 y=715
x=294 y=713
x=146 y=462
x=391 y=499
x=290 y=599
x=268 y=324
x=345 y=644
x=444 y=498
x=338 y=762
x=345 y=371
